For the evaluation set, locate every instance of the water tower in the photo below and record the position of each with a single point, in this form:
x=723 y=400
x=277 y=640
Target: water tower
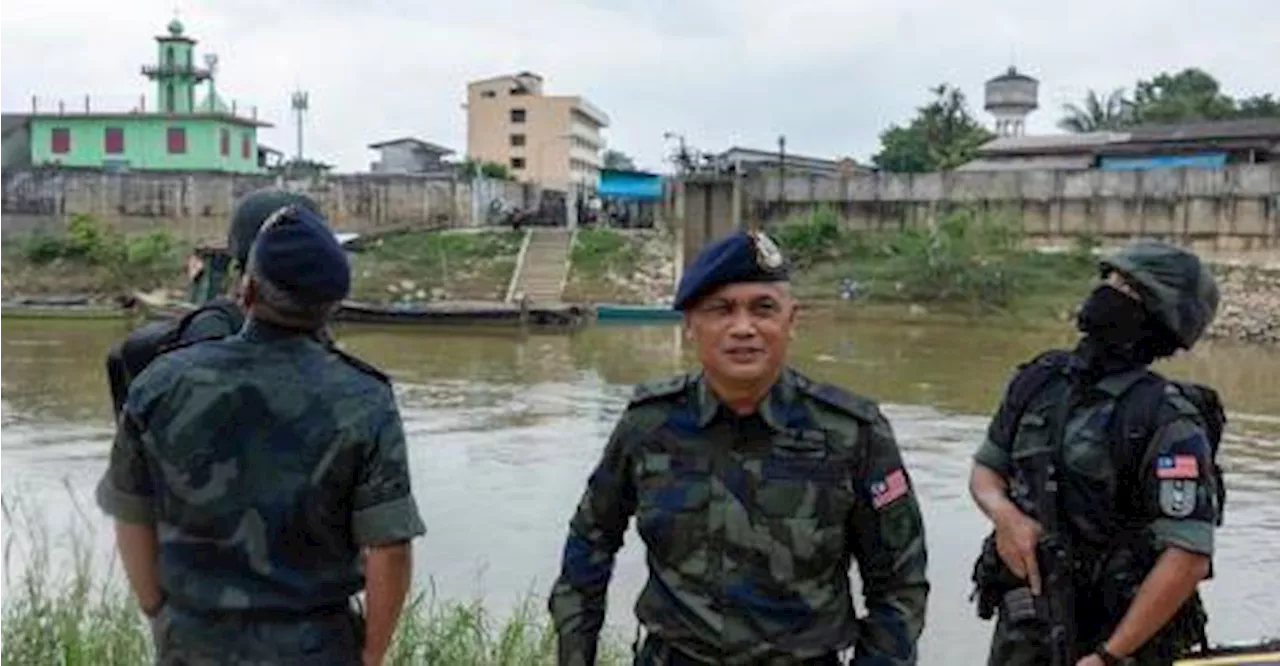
x=1011 y=97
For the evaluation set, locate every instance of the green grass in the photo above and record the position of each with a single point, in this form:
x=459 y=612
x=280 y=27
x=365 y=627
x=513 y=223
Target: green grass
x=409 y=266
x=967 y=262
x=83 y=615
x=92 y=258
x=598 y=252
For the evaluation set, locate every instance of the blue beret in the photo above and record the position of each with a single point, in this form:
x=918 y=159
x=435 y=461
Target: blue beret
x=298 y=253
x=744 y=256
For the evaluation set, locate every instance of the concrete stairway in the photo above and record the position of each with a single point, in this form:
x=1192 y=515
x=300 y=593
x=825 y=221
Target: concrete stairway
x=543 y=266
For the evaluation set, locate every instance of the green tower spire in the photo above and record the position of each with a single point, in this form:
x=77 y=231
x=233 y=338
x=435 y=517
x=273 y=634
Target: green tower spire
x=175 y=73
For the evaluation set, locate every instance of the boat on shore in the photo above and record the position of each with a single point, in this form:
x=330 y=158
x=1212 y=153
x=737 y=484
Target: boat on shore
x=631 y=313
x=452 y=314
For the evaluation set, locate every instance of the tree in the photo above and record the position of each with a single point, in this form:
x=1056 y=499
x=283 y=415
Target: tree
x=1191 y=94
x=1259 y=106
x=1185 y=96
x=1097 y=113
x=473 y=168
x=943 y=135
x=616 y=159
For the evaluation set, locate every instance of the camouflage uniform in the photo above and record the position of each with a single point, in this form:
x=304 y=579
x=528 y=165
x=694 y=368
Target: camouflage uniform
x=266 y=460
x=1123 y=500
x=750 y=524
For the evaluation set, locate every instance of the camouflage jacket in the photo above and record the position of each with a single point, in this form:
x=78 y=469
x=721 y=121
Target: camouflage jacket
x=751 y=525
x=265 y=460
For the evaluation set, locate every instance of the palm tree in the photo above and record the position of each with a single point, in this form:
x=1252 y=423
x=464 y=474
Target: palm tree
x=1098 y=113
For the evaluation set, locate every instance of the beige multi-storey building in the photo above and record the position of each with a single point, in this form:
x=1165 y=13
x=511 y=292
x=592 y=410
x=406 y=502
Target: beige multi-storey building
x=551 y=140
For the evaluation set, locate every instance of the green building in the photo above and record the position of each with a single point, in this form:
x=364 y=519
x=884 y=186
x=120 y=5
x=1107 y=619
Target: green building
x=178 y=135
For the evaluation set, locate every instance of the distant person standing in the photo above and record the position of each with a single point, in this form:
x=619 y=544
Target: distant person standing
x=251 y=474
x=754 y=490
x=213 y=318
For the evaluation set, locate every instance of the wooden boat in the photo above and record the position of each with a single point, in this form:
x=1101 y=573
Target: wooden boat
x=466 y=313
x=558 y=316
x=635 y=313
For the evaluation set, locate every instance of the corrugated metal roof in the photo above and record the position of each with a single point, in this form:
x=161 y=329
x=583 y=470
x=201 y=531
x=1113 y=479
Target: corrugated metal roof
x=1213 y=129
x=435 y=148
x=1050 y=143
x=1029 y=163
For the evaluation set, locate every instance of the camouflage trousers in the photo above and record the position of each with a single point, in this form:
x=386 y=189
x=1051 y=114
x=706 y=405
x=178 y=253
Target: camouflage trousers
x=657 y=652
x=185 y=639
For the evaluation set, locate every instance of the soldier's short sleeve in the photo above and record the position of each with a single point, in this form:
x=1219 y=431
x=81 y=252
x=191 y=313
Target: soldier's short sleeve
x=383 y=508
x=126 y=489
x=210 y=323
x=887 y=539
x=1179 y=488
x=994 y=451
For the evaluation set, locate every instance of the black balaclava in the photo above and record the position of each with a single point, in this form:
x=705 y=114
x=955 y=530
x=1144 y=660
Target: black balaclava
x=1120 y=334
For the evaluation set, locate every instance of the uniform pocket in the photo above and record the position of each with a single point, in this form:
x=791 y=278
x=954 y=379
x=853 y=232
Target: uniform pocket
x=671 y=509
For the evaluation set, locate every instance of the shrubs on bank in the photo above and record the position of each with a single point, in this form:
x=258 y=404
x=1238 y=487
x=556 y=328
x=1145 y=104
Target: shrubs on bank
x=966 y=257
x=126 y=261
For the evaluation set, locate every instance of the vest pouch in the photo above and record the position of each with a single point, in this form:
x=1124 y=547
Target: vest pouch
x=1031 y=447
x=1089 y=484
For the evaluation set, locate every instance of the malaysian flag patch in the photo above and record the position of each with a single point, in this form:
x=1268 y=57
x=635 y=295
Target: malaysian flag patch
x=893 y=486
x=1177 y=467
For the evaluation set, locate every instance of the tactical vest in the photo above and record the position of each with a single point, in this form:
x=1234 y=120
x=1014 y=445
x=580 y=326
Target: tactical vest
x=1106 y=443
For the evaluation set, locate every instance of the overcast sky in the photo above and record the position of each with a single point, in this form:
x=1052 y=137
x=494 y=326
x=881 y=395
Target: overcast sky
x=829 y=74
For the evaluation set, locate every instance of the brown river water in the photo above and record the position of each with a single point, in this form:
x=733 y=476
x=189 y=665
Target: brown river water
x=503 y=431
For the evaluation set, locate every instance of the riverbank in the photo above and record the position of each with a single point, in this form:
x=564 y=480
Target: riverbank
x=63 y=608
x=969 y=266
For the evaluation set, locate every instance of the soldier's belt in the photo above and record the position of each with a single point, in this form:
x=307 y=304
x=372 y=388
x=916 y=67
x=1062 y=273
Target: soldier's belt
x=265 y=615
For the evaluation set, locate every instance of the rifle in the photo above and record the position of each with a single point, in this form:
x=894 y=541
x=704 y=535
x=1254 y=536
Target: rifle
x=1055 y=556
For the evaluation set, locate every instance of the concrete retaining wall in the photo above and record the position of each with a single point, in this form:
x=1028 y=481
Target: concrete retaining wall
x=196 y=207
x=1236 y=208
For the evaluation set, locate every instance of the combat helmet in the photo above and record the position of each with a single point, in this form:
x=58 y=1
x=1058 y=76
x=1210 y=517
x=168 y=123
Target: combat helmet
x=252 y=210
x=1178 y=289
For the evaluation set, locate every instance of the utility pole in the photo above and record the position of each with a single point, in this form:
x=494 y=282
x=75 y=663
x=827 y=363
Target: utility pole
x=300 y=103
x=782 y=173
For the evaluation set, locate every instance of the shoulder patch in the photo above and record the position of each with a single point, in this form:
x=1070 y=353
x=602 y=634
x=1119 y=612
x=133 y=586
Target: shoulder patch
x=360 y=365
x=660 y=388
x=859 y=407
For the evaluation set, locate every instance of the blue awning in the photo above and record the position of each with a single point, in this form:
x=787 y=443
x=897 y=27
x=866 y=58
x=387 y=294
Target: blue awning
x=1201 y=160
x=630 y=184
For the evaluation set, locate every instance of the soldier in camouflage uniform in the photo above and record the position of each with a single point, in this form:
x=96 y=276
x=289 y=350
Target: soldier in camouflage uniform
x=1139 y=489
x=250 y=476
x=251 y=211
x=754 y=489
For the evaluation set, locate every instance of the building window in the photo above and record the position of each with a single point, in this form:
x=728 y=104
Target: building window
x=488 y=94
x=224 y=142
x=517 y=140
x=517 y=163
x=168 y=57
x=168 y=98
x=113 y=140
x=177 y=140
x=518 y=115
x=246 y=146
x=60 y=140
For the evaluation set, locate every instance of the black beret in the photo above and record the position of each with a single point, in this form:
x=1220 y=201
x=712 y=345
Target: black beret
x=298 y=253
x=743 y=256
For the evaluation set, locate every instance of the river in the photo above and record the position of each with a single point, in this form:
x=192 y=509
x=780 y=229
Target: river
x=503 y=431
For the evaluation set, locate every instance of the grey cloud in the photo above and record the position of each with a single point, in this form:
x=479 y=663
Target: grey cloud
x=831 y=74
